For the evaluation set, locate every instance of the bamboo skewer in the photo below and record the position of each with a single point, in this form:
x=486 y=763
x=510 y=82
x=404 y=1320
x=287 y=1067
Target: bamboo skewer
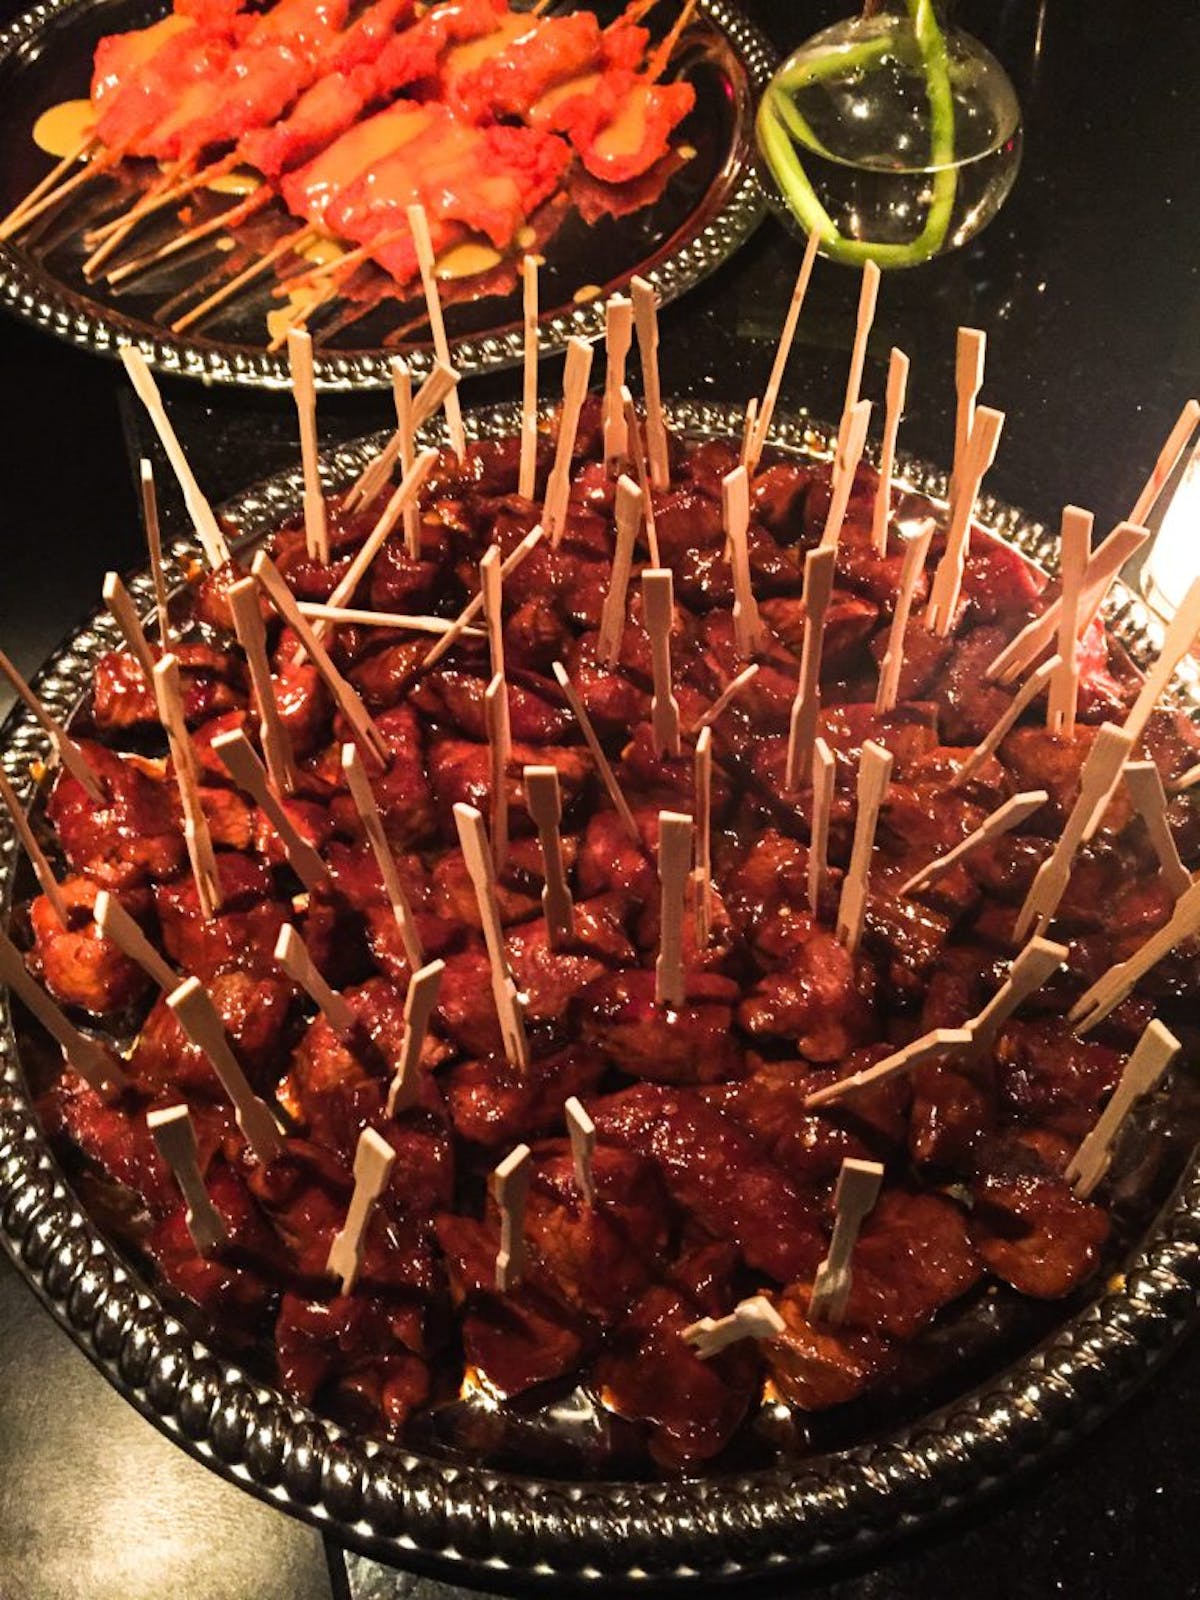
x=675 y=832
x=897 y=388
x=85 y=1056
x=748 y=630
x=558 y=490
x=42 y=869
x=727 y=696
x=766 y=409
x=851 y=439
x=491 y=587
x=543 y=799
x=419 y=1003
x=247 y=771
x=915 y=553
x=970 y=351
x=824 y=773
x=1164 y=466
x=645 y=320
x=1153 y=1054
x=658 y=615
x=947 y=580
x=419 y=225
x=293 y=956
x=368 y=812
x=1103 y=565
x=347 y=698
x=1063 y=699
x=406 y=493
x=69 y=753
x=29 y=210
x=175 y=1140
x=874 y=771
x=119 y=927
x=472 y=837
x=509 y=1188
x=288 y=245
x=200 y=1020
x=273 y=735
x=629 y=505
x=932 y=1046
x=1003 y=820
x=818 y=587
x=373 y=1162
x=1101 y=771
x=1034 y=966
x=499 y=736
x=15 y=218
x=868 y=294
x=195 y=823
x=527 y=475
x=165 y=191
x=749 y=423
x=582 y=1132
x=317 y=611
x=471 y=610
x=755 y=1318
x=1145 y=785
x=1020 y=704
x=412 y=413
x=1117 y=983
x=857 y=1190
x=702 y=877
x=121 y=608
x=618 y=336
x=603 y=766
x=211 y=538
x=316 y=526
x=637 y=454
x=154 y=545
x=225 y=221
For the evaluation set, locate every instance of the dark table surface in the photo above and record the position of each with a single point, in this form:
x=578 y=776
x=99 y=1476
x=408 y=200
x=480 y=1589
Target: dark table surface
x=1088 y=284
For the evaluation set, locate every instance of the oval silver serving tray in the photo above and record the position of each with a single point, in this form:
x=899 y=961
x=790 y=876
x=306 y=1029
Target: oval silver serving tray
x=706 y=212
x=498 y=1528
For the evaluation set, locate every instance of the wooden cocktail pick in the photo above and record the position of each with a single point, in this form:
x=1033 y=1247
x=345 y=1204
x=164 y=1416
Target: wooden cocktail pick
x=1153 y=1054
x=727 y=696
x=527 y=472
x=252 y=636
x=658 y=614
x=154 y=545
x=300 y=363
x=1114 y=985
x=200 y=1020
x=748 y=630
x=237 y=755
x=582 y=1132
x=1005 y=817
x=761 y=426
x=212 y=540
x=1168 y=457
x=933 y=1046
x=373 y=1162
x=543 y=798
x=85 y=1056
x=629 y=505
x=474 y=841
x=318 y=611
x=405 y=495
x=419 y=225
x=637 y=456
x=857 y=1190
x=474 y=606
x=509 y=1186
x=911 y=569
x=419 y=1002
x=868 y=294
x=121 y=608
x=187 y=778
x=499 y=737
x=576 y=373
x=491 y=586
x=368 y=814
x=293 y=956
x=874 y=771
x=675 y=832
x=618 y=336
x=1021 y=701
x=851 y=440
x=702 y=876
x=970 y=350
x=947 y=579
x=1145 y=785
x=175 y=1140
x=755 y=1318
x=116 y=924
x=1076 y=539
x=603 y=765
x=806 y=707
x=69 y=753
x=824 y=773
x=645 y=319
x=897 y=388
x=412 y=412
x=43 y=871
x=1035 y=965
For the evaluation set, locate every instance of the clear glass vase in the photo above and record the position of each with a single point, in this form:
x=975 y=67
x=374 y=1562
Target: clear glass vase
x=895 y=136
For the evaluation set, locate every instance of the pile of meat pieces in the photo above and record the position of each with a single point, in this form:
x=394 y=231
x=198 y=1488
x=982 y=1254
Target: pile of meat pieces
x=713 y=1180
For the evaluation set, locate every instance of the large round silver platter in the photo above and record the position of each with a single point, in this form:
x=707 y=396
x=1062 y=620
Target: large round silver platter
x=708 y=205
x=496 y=1528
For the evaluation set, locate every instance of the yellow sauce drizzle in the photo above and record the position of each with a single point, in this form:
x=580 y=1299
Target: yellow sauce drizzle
x=322 y=252
x=627 y=130
x=235 y=182
x=468 y=260
x=588 y=291
x=63 y=128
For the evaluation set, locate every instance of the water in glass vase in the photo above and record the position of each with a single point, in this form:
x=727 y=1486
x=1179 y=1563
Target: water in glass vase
x=895 y=138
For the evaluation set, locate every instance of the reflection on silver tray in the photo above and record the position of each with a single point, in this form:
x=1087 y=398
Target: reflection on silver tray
x=493 y=1527
x=707 y=211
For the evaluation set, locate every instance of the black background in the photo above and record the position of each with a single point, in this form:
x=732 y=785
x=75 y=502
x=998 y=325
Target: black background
x=1089 y=287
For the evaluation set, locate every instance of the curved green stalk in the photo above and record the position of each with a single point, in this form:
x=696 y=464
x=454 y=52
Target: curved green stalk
x=781 y=127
